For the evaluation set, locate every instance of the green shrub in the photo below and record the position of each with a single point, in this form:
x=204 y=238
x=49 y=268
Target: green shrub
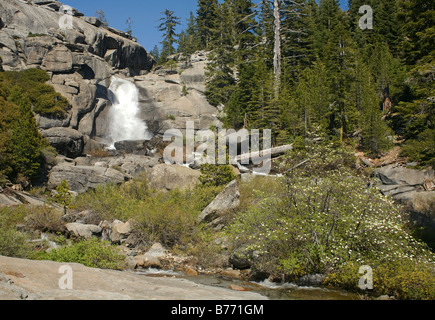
x=21 y=144
x=92 y=253
x=216 y=175
x=12 y=242
x=165 y=217
x=319 y=217
x=63 y=195
x=404 y=279
x=31 y=84
x=45 y=219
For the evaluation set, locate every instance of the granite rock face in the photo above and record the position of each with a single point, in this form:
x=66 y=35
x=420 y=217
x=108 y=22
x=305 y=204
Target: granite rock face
x=82 y=178
x=80 y=57
x=39 y=280
x=412 y=188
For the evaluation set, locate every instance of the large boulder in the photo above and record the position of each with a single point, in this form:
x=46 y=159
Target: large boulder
x=67 y=141
x=11 y=197
x=85 y=231
x=169 y=177
x=129 y=164
x=82 y=178
x=227 y=200
x=395 y=175
x=120 y=231
x=241 y=258
x=152 y=258
x=137 y=147
x=195 y=77
x=412 y=188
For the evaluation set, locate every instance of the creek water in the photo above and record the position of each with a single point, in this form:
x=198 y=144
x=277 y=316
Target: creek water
x=273 y=291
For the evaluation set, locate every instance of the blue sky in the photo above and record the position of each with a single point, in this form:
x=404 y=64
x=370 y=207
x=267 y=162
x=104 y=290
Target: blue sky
x=145 y=15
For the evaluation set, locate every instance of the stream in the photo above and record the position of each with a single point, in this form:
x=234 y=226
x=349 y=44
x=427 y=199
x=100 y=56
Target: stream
x=274 y=291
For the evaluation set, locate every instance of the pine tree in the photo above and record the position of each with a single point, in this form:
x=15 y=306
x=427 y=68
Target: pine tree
x=265 y=31
x=413 y=118
x=220 y=69
x=207 y=23
x=63 y=195
x=418 y=34
x=297 y=31
x=243 y=28
x=102 y=17
x=26 y=139
x=338 y=54
x=374 y=130
x=387 y=71
x=129 y=29
x=312 y=99
x=155 y=53
x=168 y=25
x=187 y=43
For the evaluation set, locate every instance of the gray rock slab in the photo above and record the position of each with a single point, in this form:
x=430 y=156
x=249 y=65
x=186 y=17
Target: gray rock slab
x=39 y=280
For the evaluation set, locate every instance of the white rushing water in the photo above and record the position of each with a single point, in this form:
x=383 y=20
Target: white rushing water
x=124 y=120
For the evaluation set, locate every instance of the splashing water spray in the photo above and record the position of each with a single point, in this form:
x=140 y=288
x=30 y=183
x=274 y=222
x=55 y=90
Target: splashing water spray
x=124 y=120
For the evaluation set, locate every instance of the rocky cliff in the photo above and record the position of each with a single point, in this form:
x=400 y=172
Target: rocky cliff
x=81 y=59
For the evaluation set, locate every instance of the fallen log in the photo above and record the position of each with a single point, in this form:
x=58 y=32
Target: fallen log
x=273 y=152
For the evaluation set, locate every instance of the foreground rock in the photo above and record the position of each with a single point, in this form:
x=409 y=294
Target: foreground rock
x=83 y=230
x=227 y=200
x=152 y=258
x=170 y=177
x=39 y=280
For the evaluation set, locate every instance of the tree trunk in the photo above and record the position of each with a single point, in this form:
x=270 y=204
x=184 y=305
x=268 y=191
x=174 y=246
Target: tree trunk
x=277 y=46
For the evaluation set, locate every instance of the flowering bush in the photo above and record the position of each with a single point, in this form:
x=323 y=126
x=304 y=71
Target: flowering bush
x=322 y=217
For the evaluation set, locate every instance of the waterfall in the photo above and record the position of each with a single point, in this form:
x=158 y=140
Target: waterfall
x=124 y=120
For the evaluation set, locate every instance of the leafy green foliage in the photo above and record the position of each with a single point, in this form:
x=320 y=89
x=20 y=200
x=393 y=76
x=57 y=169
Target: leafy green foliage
x=216 y=175
x=92 y=253
x=63 y=195
x=206 y=23
x=12 y=242
x=320 y=217
x=30 y=85
x=405 y=280
x=21 y=144
x=169 y=218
